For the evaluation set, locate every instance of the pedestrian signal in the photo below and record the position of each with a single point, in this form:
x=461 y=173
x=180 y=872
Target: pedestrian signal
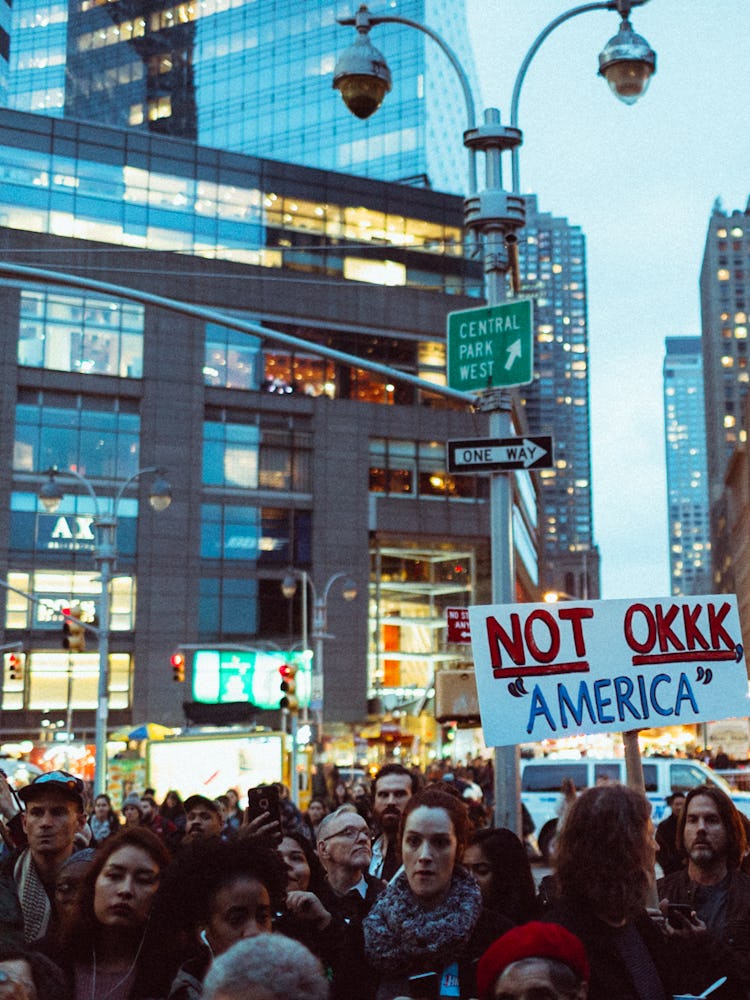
x=289 y=699
x=74 y=632
x=178 y=667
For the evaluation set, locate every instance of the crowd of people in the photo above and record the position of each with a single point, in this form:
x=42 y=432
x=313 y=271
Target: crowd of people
x=395 y=889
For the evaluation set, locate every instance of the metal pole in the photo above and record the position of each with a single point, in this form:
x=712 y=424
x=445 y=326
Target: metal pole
x=102 y=702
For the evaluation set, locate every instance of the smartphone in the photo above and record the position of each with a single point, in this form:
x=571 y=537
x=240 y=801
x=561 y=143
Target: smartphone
x=264 y=799
x=424 y=986
x=678 y=915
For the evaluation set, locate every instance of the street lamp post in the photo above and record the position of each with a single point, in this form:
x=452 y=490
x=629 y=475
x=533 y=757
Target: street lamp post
x=319 y=625
x=494 y=216
x=105 y=559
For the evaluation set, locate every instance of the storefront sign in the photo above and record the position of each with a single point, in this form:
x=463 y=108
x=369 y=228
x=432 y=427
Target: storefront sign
x=551 y=670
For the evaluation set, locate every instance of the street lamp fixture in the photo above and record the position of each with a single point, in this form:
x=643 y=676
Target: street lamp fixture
x=319 y=632
x=495 y=215
x=361 y=73
x=105 y=558
x=627 y=62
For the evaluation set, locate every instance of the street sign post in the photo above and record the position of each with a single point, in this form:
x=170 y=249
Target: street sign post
x=491 y=346
x=498 y=454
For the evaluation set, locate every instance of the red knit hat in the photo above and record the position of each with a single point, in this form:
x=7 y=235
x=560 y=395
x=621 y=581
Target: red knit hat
x=532 y=940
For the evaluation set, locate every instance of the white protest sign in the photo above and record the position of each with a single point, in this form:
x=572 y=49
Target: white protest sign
x=549 y=670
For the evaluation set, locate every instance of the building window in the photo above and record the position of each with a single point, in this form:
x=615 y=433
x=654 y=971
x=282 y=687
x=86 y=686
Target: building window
x=95 y=442
x=58 y=680
x=80 y=333
x=418 y=468
x=264 y=536
x=249 y=456
x=57 y=589
x=233 y=359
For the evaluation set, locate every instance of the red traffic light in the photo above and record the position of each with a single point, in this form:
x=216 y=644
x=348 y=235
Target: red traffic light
x=178 y=666
x=289 y=699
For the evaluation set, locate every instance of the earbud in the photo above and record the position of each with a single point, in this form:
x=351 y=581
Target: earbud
x=204 y=938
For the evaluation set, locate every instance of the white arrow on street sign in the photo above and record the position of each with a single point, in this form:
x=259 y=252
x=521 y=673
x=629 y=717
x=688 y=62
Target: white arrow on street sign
x=497 y=454
x=513 y=352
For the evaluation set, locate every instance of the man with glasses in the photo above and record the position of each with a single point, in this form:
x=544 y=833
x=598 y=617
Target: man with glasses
x=345 y=853
x=53 y=816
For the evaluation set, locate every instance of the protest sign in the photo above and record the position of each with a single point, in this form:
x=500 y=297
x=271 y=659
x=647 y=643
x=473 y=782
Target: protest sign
x=549 y=670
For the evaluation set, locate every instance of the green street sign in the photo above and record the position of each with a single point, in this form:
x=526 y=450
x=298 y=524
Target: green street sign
x=491 y=346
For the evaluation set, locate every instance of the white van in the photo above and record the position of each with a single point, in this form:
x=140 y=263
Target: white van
x=541 y=779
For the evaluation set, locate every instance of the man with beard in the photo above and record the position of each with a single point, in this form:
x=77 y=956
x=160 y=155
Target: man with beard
x=393 y=787
x=712 y=835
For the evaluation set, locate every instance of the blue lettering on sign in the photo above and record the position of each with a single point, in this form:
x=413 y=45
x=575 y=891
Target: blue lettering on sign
x=631 y=701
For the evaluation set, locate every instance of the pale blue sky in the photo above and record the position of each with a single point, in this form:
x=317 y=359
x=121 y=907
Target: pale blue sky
x=641 y=182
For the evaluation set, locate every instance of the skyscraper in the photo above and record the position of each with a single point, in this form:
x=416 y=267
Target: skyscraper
x=251 y=76
x=725 y=301
x=685 y=436
x=552 y=257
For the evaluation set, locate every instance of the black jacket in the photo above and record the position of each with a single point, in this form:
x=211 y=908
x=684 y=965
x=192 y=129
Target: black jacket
x=610 y=977
x=345 y=943
x=726 y=956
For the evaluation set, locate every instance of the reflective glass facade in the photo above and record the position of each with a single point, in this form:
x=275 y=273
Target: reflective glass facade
x=267 y=446
x=687 y=486
x=553 y=270
x=114 y=187
x=252 y=76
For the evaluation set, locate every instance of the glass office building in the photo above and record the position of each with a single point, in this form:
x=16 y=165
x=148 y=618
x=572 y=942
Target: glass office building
x=553 y=268
x=251 y=76
x=256 y=434
x=687 y=482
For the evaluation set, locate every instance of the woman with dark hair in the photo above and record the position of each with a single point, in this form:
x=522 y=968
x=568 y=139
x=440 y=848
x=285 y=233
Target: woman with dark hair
x=429 y=922
x=173 y=808
x=604 y=875
x=103 y=821
x=217 y=893
x=497 y=860
x=313 y=816
x=104 y=941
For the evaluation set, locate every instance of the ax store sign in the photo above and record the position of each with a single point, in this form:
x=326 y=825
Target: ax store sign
x=545 y=671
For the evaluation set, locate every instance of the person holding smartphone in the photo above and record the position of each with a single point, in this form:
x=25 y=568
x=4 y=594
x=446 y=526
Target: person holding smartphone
x=708 y=901
x=427 y=930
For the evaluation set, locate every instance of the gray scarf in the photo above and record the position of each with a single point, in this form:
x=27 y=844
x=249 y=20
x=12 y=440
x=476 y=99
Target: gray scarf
x=401 y=937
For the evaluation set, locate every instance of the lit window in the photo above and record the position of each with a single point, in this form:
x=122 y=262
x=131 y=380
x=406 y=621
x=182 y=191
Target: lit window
x=729 y=420
x=723 y=274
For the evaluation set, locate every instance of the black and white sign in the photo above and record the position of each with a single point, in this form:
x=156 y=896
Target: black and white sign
x=498 y=454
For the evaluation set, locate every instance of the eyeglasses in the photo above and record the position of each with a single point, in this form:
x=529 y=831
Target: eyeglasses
x=60 y=778
x=348 y=833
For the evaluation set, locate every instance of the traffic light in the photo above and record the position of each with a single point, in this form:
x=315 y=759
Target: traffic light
x=15 y=666
x=74 y=633
x=178 y=667
x=289 y=698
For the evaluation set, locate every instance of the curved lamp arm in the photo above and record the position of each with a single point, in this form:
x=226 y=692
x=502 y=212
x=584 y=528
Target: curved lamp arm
x=463 y=78
x=622 y=6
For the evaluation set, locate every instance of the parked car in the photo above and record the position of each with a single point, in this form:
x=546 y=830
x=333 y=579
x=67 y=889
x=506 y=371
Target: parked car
x=542 y=777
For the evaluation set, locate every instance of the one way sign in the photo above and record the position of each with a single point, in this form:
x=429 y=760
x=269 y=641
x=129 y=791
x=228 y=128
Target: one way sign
x=498 y=454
